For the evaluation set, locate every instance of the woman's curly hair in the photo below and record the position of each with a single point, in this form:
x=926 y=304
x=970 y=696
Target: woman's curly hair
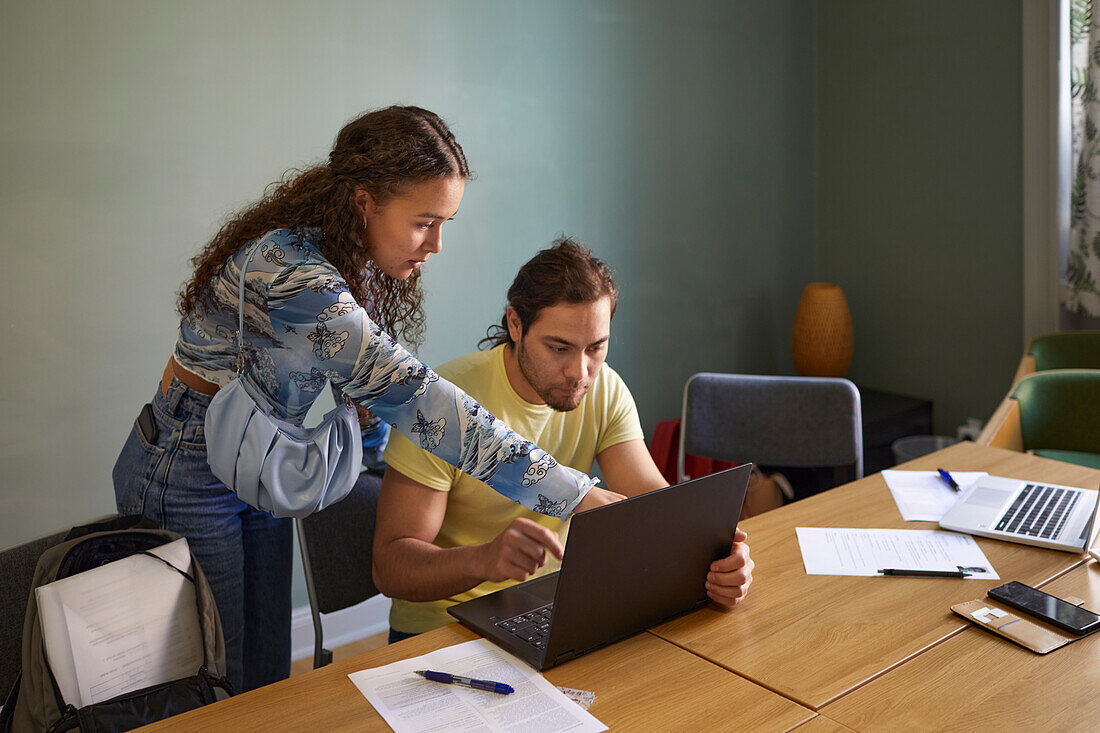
x=383 y=152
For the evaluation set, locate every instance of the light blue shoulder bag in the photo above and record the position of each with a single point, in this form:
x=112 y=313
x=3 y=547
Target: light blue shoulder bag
x=272 y=465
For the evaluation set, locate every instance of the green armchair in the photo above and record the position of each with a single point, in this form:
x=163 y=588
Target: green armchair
x=1054 y=414
x=1061 y=350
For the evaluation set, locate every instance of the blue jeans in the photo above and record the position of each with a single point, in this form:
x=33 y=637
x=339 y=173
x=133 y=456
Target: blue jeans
x=245 y=553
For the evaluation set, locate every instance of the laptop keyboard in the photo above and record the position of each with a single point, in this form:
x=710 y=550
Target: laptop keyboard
x=1038 y=511
x=532 y=626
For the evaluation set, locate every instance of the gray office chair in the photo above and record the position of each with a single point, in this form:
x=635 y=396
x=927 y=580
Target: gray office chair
x=336 y=555
x=781 y=422
x=17 y=564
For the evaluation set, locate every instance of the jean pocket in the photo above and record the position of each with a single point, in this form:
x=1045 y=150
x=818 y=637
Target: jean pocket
x=194 y=441
x=133 y=472
x=140 y=432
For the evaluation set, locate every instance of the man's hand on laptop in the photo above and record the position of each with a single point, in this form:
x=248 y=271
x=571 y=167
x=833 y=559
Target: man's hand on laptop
x=597 y=497
x=519 y=551
x=729 y=578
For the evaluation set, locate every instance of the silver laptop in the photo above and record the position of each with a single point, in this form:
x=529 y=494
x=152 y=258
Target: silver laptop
x=1029 y=512
x=1094 y=543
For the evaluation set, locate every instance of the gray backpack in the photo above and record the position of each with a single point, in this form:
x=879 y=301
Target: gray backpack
x=35 y=702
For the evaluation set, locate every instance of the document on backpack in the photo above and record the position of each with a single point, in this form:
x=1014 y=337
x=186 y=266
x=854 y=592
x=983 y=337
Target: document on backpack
x=122 y=627
x=843 y=551
x=412 y=704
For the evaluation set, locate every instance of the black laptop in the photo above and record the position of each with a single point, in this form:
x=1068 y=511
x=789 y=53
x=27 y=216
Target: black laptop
x=628 y=566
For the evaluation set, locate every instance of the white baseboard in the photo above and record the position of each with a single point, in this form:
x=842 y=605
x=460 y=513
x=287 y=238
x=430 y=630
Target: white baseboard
x=368 y=618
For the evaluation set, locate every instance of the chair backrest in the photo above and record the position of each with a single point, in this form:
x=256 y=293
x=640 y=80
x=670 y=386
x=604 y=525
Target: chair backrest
x=1060 y=410
x=336 y=545
x=17 y=565
x=1066 y=350
x=772 y=421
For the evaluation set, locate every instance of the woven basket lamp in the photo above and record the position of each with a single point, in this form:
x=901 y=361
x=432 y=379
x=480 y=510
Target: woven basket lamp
x=821 y=340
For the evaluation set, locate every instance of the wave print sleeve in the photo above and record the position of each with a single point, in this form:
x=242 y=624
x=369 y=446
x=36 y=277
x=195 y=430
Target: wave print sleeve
x=445 y=421
x=346 y=346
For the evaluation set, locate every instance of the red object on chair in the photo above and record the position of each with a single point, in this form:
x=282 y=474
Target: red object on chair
x=666 y=444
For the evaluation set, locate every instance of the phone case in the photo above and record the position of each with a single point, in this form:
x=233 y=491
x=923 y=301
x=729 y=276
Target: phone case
x=147 y=424
x=1029 y=633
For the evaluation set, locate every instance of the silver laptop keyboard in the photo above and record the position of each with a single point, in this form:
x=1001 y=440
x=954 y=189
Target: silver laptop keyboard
x=1038 y=511
x=532 y=626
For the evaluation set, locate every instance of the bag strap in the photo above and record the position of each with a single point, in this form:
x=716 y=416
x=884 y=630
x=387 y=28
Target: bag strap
x=158 y=557
x=240 y=322
x=7 y=713
x=240 y=307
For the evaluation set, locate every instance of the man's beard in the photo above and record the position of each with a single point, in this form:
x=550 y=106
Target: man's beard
x=544 y=391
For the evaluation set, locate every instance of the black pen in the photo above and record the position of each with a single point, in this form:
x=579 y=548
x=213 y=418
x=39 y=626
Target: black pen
x=454 y=679
x=948 y=480
x=925 y=573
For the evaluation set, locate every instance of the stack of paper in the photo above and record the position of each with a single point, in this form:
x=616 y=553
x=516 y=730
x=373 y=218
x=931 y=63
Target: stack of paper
x=848 y=551
x=411 y=704
x=923 y=495
x=121 y=627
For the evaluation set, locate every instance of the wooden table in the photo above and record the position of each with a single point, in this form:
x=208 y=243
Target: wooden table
x=977 y=680
x=841 y=652
x=813 y=638
x=641 y=684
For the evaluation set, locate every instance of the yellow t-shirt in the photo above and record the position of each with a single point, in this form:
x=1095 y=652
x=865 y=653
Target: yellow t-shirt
x=475 y=513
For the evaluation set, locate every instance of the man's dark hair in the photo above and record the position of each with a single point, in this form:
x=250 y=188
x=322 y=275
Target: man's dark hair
x=567 y=272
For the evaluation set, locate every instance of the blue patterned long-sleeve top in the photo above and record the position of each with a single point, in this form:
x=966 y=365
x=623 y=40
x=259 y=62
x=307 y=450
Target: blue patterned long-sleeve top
x=303 y=329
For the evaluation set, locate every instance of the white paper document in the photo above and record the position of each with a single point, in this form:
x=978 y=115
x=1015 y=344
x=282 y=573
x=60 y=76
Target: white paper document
x=922 y=495
x=121 y=627
x=834 y=551
x=411 y=704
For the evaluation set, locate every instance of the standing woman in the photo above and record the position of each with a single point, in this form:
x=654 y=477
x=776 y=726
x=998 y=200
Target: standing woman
x=333 y=257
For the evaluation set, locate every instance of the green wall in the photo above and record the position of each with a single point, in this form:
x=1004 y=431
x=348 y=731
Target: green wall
x=918 y=193
x=718 y=154
x=675 y=138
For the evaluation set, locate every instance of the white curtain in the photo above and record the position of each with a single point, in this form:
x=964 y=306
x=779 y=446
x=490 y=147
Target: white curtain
x=1081 y=291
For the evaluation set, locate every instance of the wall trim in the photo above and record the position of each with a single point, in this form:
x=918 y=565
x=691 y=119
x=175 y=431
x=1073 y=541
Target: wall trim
x=368 y=618
x=1045 y=109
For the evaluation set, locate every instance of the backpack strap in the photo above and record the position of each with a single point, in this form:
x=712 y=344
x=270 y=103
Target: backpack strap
x=7 y=713
x=158 y=557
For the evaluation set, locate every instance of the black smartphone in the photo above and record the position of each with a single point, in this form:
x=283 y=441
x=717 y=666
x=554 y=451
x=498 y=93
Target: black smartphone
x=147 y=425
x=1044 y=606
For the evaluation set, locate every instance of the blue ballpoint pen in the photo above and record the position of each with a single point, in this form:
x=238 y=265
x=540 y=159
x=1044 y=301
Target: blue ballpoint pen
x=948 y=480
x=454 y=679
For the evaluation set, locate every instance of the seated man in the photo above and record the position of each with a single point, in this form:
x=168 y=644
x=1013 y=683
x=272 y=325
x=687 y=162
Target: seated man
x=443 y=537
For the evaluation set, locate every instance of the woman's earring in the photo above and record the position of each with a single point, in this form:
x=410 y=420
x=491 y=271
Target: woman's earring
x=364 y=203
